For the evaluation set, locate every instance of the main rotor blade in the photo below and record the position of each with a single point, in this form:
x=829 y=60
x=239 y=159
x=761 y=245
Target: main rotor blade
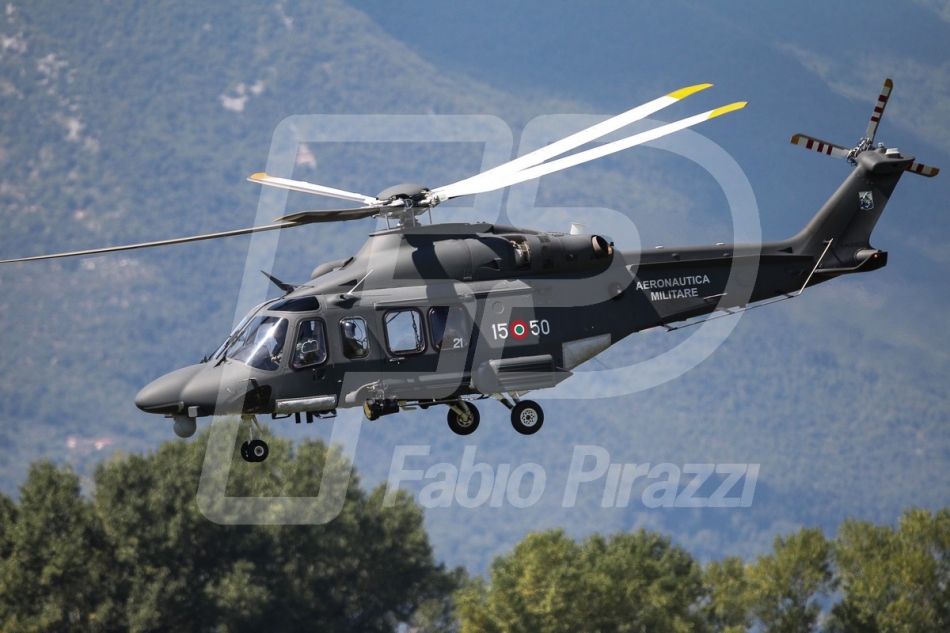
x=506 y=180
x=306 y=187
x=879 y=110
x=330 y=215
x=822 y=147
x=568 y=143
x=179 y=240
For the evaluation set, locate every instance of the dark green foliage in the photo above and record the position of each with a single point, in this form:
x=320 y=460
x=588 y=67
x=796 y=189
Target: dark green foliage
x=786 y=584
x=627 y=582
x=55 y=570
x=889 y=580
x=727 y=607
x=140 y=556
x=894 y=579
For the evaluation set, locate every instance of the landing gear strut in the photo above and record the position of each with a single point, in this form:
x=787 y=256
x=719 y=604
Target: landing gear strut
x=526 y=415
x=254 y=450
x=463 y=418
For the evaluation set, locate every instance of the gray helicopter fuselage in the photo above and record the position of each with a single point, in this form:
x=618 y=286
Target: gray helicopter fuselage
x=428 y=314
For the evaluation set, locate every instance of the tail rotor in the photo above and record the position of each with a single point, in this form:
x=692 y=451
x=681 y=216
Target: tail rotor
x=866 y=143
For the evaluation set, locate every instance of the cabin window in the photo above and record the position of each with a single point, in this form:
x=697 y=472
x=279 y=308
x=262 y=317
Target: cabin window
x=355 y=337
x=311 y=346
x=450 y=327
x=260 y=344
x=404 y=332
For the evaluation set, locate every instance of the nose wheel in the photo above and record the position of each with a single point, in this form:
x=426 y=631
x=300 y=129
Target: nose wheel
x=254 y=450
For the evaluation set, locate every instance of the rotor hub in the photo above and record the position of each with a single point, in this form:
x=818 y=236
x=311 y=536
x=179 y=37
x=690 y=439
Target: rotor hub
x=407 y=192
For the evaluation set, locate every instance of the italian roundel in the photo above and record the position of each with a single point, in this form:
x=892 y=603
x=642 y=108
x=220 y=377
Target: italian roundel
x=519 y=329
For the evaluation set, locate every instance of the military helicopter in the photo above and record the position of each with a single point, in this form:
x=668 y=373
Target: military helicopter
x=449 y=314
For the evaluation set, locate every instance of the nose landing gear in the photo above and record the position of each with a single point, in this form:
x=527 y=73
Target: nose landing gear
x=254 y=450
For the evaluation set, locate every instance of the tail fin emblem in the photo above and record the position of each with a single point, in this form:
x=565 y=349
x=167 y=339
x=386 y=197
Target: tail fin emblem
x=867 y=200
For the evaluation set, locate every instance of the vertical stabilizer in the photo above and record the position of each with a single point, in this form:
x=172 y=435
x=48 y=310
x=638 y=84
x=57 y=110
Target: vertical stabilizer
x=850 y=215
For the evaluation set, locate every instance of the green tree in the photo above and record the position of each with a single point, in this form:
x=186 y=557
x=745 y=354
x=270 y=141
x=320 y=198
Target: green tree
x=627 y=582
x=727 y=608
x=894 y=580
x=140 y=556
x=54 y=573
x=367 y=570
x=8 y=516
x=784 y=586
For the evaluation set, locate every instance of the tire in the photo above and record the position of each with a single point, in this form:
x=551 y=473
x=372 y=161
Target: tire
x=245 y=452
x=257 y=450
x=459 y=425
x=527 y=417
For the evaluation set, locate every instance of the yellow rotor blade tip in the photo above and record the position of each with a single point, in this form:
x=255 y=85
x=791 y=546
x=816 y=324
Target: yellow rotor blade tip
x=738 y=105
x=682 y=93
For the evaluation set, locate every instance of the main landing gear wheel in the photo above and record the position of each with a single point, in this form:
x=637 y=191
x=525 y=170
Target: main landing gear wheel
x=527 y=417
x=254 y=451
x=464 y=423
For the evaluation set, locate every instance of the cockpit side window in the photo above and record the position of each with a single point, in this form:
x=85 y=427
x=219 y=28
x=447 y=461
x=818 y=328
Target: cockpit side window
x=450 y=327
x=404 y=332
x=310 y=347
x=261 y=343
x=355 y=337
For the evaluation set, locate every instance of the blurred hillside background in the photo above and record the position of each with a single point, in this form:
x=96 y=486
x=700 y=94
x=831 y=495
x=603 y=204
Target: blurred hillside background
x=130 y=122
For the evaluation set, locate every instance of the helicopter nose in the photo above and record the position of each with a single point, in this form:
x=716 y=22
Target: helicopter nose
x=165 y=395
x=202 y=391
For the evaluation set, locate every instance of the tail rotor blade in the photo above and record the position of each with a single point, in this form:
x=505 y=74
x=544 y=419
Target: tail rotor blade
x=879 y=110
x=568 y=143
x=923 y=170
x=822 y=147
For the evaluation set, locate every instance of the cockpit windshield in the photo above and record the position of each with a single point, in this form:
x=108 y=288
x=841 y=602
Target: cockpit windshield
x=229 y=342
x=261 y=343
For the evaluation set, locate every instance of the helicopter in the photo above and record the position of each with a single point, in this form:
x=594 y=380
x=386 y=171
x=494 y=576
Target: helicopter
x=447 y=314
